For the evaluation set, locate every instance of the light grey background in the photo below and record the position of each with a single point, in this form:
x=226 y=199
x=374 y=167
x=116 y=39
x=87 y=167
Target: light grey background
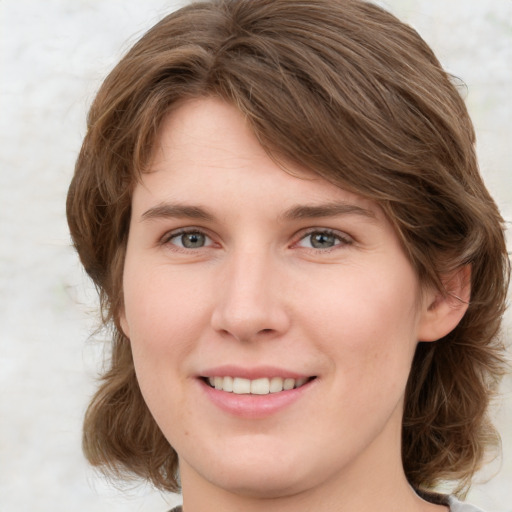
x=53 y=56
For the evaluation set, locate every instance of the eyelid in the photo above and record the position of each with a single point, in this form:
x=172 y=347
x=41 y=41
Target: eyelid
x=174 y=233
x=344 y=238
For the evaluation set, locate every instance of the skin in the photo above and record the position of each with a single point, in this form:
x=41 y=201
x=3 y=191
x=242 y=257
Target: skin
x=257 y=289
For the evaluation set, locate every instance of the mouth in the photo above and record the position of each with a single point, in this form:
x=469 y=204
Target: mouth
x=261 y=386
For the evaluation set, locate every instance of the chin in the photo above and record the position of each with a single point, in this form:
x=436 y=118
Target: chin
x=262 y=475
x=263 y=483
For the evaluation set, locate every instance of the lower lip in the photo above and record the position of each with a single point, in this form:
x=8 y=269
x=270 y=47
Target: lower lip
x=254 y=406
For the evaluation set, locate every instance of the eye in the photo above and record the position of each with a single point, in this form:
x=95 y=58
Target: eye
x=192 y=239
x=323 y=239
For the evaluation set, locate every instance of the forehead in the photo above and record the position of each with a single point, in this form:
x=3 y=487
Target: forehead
x=206 y=151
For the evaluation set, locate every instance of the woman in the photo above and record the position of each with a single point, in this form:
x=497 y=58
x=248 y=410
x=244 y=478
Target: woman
x=280 y=205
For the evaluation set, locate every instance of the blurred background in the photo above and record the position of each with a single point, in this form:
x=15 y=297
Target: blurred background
x=53 y=56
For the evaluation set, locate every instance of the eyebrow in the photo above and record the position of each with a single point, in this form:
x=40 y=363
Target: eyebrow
x=178 y=211
x=326 y=210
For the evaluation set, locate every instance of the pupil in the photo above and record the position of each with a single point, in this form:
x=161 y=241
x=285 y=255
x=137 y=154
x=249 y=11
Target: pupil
x=322 y=240
x=192 y=240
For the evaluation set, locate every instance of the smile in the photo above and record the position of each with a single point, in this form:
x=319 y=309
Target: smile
x=261 y=386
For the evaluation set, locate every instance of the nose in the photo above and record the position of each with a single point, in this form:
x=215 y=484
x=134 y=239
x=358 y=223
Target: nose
x=250 y=302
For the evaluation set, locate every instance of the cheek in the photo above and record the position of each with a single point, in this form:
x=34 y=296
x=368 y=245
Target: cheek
x=367 y=323
x=163 y=316
x=153 y=291
x=163 y=312
x=362 y=302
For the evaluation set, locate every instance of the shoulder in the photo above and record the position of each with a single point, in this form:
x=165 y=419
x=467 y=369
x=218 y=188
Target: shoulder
x=458 y=506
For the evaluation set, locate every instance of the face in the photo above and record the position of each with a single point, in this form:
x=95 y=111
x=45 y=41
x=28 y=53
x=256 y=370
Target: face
x=272 y=317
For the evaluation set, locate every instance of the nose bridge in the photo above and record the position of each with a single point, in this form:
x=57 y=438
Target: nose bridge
x=249 y=302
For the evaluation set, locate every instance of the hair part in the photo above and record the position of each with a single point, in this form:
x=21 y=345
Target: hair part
x=345 y=89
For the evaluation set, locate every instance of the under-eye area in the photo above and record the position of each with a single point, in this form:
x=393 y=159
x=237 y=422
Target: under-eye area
x=261 y=386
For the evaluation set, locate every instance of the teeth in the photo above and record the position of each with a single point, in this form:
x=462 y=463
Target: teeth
x=227 y=384
x=288 y=384
x=241 y=386
x=262 y=386
x=276 y=385
x=300 y=382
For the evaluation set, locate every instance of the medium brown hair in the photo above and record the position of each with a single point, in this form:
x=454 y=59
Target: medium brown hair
x=343 y=88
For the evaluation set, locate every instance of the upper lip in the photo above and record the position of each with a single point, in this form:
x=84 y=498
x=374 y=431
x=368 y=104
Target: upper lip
x=257 y=372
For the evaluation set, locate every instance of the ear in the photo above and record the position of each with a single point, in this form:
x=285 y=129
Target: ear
x=444 y=309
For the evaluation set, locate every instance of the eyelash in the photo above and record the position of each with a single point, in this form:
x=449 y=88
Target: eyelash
x=341 y=238
x=168 y=237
